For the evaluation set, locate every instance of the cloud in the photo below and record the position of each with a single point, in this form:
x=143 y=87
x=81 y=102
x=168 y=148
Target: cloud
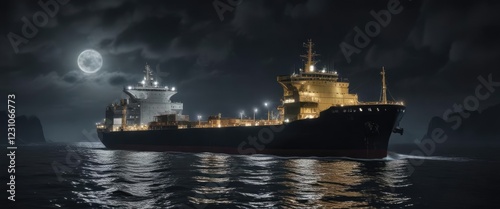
x=306 y=9
x=70 y=78
x=249 y=19
x=118 y=80
x=103 y=5
x=439 y=25
x=73 y=80
x=445 y=50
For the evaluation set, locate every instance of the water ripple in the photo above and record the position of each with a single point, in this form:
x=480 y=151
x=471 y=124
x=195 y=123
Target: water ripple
x=124 y=179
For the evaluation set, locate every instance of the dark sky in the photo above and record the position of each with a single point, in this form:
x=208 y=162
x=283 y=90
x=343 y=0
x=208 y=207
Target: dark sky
x=433 y=52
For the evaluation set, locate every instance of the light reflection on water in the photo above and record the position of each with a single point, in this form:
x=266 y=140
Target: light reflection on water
x=110 y=178
x=211 y=180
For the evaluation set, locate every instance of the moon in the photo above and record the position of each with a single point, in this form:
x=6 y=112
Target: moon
x=90 y=61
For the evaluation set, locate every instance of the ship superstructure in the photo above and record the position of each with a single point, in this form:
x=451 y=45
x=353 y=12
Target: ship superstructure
x=145 y=101
x=307 y=93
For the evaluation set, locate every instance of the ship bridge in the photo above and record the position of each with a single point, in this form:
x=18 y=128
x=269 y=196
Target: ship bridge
x=145 y=100
x=309 y=92
x=149 y=89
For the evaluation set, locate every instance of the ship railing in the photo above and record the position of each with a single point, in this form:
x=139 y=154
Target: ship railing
x=130 y=128
x=381 y=103
x=301 y=78
x=240 y=123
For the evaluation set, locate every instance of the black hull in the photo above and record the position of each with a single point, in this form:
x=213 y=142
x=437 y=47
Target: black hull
x=338 y=132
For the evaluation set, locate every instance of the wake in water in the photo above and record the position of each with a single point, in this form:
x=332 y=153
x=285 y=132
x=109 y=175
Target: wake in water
x=398 y=156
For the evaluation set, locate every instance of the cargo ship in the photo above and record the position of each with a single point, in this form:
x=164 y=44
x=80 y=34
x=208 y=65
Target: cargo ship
x=318 y=116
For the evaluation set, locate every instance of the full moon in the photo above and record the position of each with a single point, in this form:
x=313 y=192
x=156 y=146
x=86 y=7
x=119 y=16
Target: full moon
x=90 y=61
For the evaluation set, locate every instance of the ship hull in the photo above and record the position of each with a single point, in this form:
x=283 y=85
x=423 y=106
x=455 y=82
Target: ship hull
x=360 y=131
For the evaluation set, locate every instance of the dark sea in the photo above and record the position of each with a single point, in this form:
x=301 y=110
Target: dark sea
x=86 y=175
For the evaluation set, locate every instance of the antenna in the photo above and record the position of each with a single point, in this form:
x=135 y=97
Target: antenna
x=309 y=56
x=384 y=87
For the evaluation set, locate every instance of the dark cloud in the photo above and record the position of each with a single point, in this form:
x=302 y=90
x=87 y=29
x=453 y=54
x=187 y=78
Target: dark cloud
x=118 y=80
x=70 y=78
x=306 y=9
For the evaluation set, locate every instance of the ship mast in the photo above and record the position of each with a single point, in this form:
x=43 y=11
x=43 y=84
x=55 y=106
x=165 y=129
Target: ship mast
x=309 y=56
x=384 y=87
x=147 y=78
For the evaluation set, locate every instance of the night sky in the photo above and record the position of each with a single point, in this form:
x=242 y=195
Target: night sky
x=227 y=61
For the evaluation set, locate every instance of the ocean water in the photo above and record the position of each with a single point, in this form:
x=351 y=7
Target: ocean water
x=86 y=175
